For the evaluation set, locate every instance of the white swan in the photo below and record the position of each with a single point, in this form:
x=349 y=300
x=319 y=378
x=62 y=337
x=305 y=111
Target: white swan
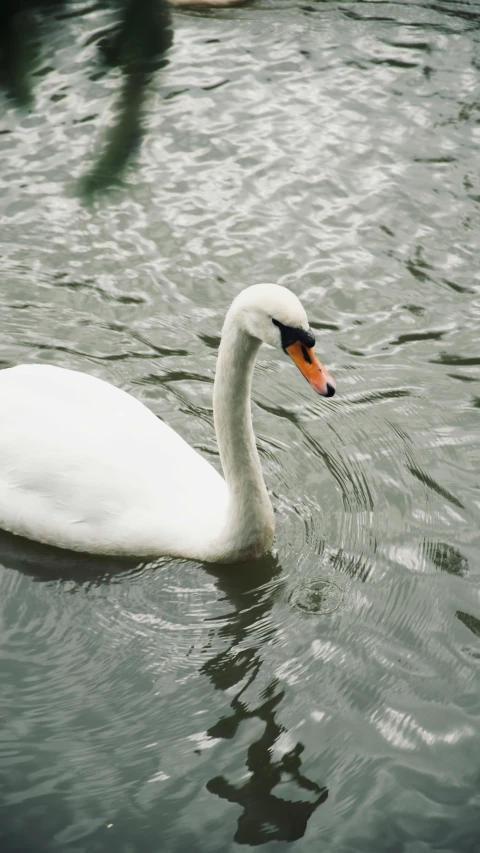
x=86 y=466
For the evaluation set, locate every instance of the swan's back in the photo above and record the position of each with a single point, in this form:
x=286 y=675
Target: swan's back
x=84 y=465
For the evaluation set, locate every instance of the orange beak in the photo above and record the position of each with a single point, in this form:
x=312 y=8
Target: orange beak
x=312 y=369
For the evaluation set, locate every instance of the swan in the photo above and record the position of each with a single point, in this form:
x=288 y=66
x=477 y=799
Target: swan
x=87 y=467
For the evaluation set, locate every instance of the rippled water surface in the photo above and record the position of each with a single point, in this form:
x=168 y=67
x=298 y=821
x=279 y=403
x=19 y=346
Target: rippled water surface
x=328 y=695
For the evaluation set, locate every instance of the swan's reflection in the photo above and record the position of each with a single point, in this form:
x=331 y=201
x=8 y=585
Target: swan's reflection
x=250 y=591
x=47 y=563
x=266 y=817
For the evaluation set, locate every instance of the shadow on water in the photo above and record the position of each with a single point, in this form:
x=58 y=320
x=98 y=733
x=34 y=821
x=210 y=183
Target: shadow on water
x=137 y=43
x=265 y=817
x=250 y=591
x=47 y=563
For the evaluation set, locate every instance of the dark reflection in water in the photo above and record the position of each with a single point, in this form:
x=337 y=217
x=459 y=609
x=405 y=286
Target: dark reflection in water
x=19 y=39
x=265 y=817
x=47 y=563
x=434 y=486
x=456 y=8
x=470 y=621
x=137 y=43
x=250 y=593
x=123 y=138
x=446 y=558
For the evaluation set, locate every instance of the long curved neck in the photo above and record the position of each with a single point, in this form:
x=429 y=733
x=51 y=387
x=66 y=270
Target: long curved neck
x=250 y=521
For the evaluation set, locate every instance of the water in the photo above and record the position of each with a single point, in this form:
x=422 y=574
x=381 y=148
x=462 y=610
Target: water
x=326 y=696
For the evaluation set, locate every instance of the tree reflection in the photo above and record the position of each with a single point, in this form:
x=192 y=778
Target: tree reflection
x=18 y=48
x=266 y=816
x=137 y=43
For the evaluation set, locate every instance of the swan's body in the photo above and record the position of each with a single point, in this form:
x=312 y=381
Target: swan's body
x=86 y=466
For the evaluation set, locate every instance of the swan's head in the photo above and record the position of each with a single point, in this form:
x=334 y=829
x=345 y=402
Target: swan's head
x=276 y=316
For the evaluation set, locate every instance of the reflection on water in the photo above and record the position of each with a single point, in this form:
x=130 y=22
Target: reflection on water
x=470 y=621
x=138 y=45
x=331 y=147
x=18 y=49
x=265 y=815
x=46 y=563
x=136 y=42
x=446 y=558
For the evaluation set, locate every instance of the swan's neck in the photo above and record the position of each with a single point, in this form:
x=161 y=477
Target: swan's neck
x=250 y=520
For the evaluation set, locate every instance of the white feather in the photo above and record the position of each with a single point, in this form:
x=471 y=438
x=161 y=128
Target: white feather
x=86 y=466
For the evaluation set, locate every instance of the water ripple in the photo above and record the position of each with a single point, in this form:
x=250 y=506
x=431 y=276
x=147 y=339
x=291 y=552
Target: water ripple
x=329 y=147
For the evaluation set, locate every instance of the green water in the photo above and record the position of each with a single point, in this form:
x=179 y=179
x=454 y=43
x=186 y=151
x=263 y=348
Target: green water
x=325 y=698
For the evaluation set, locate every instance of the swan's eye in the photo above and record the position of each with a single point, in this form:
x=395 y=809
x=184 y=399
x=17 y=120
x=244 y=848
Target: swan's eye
x=291 y=334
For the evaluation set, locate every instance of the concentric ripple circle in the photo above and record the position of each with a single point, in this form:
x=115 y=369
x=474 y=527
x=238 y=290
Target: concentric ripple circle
x=320 y=597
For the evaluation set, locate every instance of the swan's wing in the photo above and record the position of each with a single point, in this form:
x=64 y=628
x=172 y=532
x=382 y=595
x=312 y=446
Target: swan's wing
x=84 y=465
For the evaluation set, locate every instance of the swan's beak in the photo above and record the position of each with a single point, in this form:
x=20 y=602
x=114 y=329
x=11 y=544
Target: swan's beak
x=312 y=369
